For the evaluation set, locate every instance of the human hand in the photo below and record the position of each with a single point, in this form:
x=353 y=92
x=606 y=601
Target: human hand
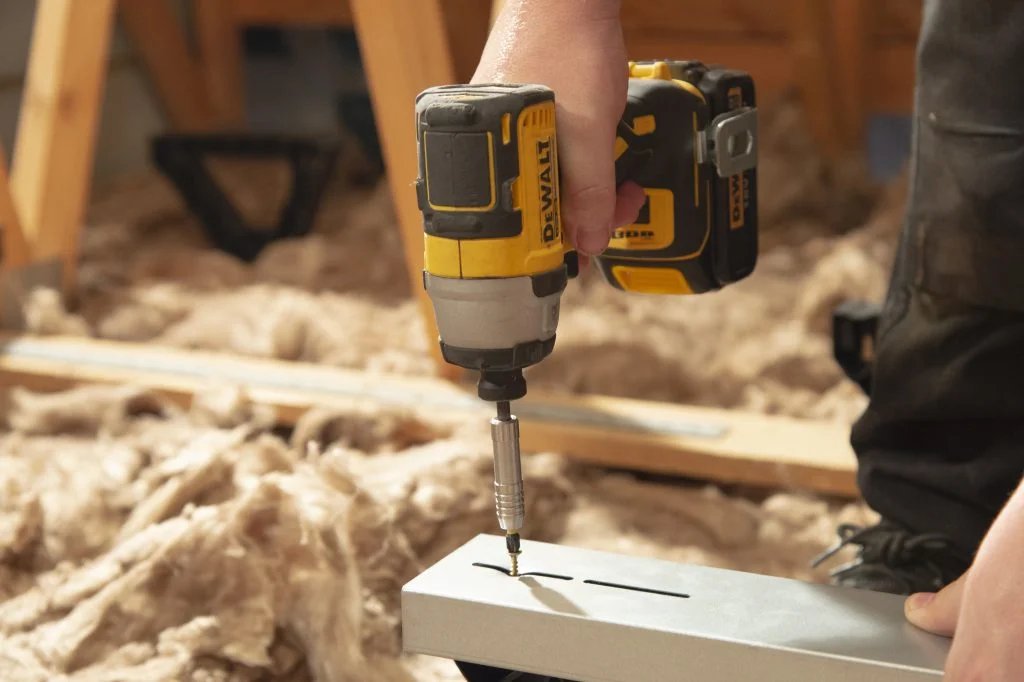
x=574 y=47
x=983 y=611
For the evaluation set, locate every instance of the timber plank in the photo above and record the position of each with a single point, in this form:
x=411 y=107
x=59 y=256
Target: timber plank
x=713 y=444
x=57 y=126
x=405 y=50
x=16 y=252
x=160 y=43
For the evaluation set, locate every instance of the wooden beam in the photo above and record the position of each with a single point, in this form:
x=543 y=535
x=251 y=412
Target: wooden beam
x=58 y=124
x=292 y=12
x=16 y=253
x=809 y=37
x=405 y=50
x=219 y=34
x=851 y=37
x=713 y=444
x=496 y=7
x=683 y=20
x=467 y=23
x=159 y=42
x=893 y=78
x=898 y=20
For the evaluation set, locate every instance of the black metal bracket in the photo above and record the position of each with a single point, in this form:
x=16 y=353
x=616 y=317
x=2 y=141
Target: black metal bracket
x=180 y=157
x=854 y=330
x=474 y=672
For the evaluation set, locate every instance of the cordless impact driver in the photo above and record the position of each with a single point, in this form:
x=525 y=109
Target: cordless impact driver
x=496 y=256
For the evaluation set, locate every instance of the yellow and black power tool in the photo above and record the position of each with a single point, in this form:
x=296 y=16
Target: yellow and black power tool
x=496 y=257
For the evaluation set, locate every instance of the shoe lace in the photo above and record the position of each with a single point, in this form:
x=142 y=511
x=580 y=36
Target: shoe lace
x=892 y=546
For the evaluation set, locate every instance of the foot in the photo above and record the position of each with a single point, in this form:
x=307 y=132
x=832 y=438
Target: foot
x=893 y=559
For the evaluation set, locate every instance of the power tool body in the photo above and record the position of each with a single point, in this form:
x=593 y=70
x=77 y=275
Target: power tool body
x=496 y=256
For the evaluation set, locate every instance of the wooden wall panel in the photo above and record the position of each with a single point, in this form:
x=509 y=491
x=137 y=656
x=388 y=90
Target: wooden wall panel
x=293 y=12
x=467 y=23
x=724 y=18
x=890 y=87
x=897 y=20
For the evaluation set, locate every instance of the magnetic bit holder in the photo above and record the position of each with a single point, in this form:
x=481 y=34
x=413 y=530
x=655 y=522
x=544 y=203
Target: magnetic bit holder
x=602 y=617
x=181 y=158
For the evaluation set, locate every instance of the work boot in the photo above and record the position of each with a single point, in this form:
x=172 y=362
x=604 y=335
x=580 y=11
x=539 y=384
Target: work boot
x=893 y=559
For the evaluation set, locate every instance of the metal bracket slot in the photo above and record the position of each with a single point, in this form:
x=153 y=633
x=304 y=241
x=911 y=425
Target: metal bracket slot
x=733 y=627
x=528 y=574
x=600 y=583
x=634 y=588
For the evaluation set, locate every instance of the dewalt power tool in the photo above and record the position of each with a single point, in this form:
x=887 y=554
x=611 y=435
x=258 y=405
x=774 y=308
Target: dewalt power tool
x=497 y=258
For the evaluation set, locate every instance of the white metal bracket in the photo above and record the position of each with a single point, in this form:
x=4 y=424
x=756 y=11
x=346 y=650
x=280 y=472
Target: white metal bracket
x=600 y=617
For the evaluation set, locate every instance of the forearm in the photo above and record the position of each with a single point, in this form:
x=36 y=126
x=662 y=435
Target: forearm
x=549 y=24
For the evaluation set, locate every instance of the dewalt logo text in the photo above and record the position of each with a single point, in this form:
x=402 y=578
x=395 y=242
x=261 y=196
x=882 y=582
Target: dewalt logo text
x=737 y=201
x=626 y=233
x=550 y=231
x=737 y=183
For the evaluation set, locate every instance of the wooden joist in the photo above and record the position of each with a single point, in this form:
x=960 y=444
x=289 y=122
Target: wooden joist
x=851 y=42
x=160 y=43
x=219 y=37
x=58 y=125
x=16 y=251
x=293 y=13
x=706 y=443
x=405 y=51
x=814 y=67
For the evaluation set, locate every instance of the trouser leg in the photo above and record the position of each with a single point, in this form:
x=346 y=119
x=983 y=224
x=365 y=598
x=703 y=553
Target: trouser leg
x=941 y=444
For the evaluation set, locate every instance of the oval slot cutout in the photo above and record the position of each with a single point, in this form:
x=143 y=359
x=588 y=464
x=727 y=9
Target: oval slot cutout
x=534 y=574
x=634 y=588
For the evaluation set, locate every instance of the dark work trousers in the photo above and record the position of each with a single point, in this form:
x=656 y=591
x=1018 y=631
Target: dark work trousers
x=941 y=444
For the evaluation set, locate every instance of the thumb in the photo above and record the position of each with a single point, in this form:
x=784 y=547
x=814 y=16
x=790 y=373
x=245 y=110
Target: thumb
x=936 y=612
x=588 y=185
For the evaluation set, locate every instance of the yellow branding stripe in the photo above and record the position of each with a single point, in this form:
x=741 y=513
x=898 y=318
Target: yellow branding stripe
x=647 y=280
x=696 y=167
x=692 y=89
x=643 y=125
x=620 y=147
x=441 y=256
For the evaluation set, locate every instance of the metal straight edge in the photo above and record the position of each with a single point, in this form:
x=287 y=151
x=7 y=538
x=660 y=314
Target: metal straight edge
x=594 y=616
x=319 y=382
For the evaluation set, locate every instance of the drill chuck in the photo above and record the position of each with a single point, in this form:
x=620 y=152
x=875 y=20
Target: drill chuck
x=508 y=475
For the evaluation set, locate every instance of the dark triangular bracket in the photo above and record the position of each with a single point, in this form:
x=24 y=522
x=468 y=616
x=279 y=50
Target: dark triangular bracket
x=854 y=332
x=180 y=157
